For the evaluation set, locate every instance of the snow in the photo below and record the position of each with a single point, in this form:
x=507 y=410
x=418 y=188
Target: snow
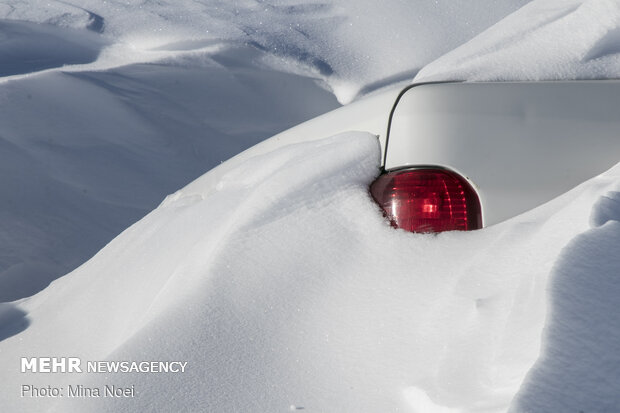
x=274 y=275
x=544 y=40
x=580 y=355
x=132 y=100
x=354 y=46
x=106 y=153
x=275 y=302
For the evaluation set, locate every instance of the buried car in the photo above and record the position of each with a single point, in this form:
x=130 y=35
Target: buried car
x=463 y=155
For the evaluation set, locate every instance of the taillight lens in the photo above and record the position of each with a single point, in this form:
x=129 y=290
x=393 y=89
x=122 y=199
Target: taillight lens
x=427 y=200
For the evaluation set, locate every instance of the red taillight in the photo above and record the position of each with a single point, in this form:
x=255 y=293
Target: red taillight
x=428 y=200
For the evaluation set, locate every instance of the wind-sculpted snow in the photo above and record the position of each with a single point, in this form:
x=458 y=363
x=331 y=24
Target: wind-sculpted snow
x=85 y=154
x=352 y=45
x=580 y=365
x=544 y=40
x=29 y=47
x=274 y=275
x=282 y=285
x=109 y=140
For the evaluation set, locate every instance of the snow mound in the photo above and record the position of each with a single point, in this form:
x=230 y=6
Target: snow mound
x=353 y=46
x=544 y=40
x=28 y=47
x=282 y=285
x=579 y=368
x=83 y=155
x=276 y=278
x=113 y=105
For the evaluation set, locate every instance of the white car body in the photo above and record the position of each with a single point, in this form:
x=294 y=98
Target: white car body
x=520 y=144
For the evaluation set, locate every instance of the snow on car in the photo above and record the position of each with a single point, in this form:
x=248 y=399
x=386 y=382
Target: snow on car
x=463 y=155
x=273 y=278
x=508 y=146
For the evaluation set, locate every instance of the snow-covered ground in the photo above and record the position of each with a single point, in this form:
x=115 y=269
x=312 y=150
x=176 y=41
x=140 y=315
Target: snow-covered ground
x=133 y=100
x=85 y=154
x=278 y=282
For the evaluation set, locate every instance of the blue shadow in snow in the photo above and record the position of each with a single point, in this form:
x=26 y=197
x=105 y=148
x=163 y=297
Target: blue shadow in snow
x=579 y=366
x=29 y=47
x=12 y=320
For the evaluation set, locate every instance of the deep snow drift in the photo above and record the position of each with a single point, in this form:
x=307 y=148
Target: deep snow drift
x=544 y=40
x=353 y=45
x=85 y=154
x=282 y=285
x=135 y=99
x=279 y=282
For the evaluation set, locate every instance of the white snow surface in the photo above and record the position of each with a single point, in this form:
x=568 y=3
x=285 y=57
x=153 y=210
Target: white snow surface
x=283 y=285
x=115 y=104
x=279 y=282
x=544 y=40
x=353 y=45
